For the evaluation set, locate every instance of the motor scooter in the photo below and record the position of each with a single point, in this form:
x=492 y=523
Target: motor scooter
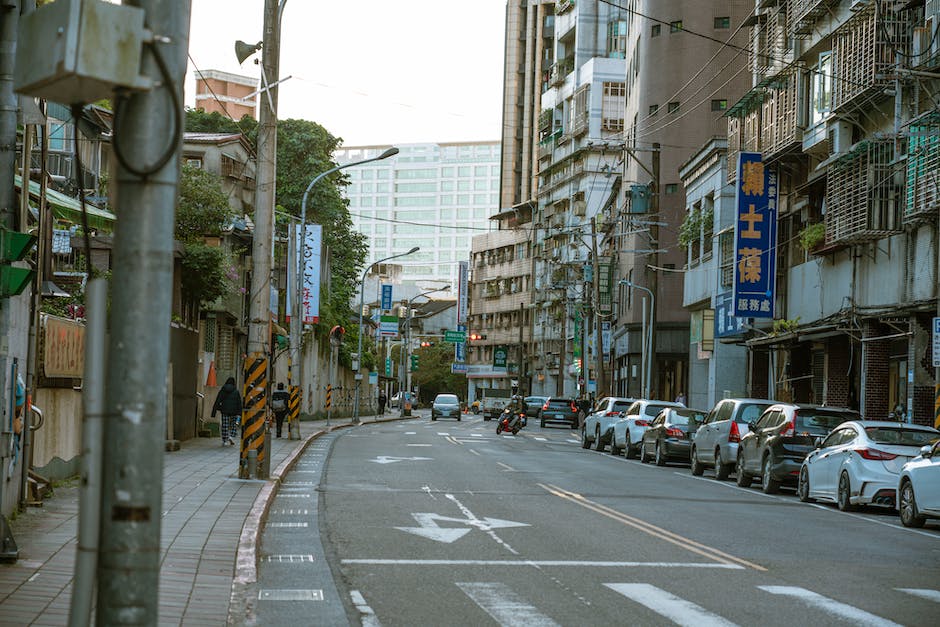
x=510 y=421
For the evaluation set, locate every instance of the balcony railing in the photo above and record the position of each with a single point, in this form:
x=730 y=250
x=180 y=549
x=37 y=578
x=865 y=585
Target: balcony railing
x=560 y=70
x=923 y=169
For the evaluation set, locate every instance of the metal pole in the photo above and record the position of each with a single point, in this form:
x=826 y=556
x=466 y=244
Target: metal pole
x=402 y=362
x=601 y=381
x=651 y=272
x=644 y=354
x=139 y=348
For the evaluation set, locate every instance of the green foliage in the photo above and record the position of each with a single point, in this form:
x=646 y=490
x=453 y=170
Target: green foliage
x=434 y=375
x=785 y=326
x=691 y=228
x=813 y=235
x=198 y=121
x=203 y=207
x=205 y=275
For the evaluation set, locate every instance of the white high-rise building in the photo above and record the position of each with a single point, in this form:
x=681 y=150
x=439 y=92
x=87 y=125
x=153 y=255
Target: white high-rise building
x=436 y=196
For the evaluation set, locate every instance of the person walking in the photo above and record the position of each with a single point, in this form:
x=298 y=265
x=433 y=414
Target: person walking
x=228 y=402
x=279 y=402
x=382 y=400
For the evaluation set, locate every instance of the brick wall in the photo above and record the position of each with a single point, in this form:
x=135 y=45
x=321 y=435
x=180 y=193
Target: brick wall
x=875 y=360
x=923 y=405
x=760 y=362
x=838 y=352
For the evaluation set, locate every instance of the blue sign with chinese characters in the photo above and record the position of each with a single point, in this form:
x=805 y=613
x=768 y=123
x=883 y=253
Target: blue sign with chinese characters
x=726 y=323
x=386 y=297
x=755 y=238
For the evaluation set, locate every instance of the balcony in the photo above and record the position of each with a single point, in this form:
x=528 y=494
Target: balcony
x=805 y=13
x=560 y=71
x=923 y=169
x=563 y=6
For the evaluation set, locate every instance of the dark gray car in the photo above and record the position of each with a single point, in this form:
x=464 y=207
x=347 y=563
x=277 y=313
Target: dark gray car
x=715 y=443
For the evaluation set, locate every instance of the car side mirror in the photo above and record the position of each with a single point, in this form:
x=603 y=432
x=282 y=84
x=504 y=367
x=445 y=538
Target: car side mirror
x=926 y=451
x=752 y=425
x=817 y=443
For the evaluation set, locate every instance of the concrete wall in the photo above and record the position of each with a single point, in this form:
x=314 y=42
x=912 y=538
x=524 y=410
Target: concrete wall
x=57 y=445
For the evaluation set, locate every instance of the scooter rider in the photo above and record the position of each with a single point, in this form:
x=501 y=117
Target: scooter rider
x=516 y=409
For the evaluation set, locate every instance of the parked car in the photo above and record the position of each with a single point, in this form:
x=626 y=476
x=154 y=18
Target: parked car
x=395 y=401
x=559 y=410
x=715 y=443
x=599 y=423
x=667 y=438
x=445 y=406
x=779 y=441
x=859 y=463
x=919 y=487
x=533 y=404
x=627 y=433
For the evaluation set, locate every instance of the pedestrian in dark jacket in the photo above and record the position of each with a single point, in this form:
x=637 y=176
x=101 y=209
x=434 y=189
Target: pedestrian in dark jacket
x=280 y=400
x=228 y=402
x=382 y=400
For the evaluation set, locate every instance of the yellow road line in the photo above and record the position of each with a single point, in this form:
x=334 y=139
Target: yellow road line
x=649 y=528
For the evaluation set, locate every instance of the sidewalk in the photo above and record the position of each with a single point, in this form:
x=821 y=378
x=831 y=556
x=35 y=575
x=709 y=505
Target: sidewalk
x=205 y=507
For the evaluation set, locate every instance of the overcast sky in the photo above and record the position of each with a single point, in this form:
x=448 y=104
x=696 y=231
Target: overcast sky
x=371 y=71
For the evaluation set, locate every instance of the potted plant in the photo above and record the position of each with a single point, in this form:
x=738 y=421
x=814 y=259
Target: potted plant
x=813 y=236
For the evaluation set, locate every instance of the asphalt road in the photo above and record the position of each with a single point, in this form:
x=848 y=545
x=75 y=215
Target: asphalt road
x=446 y=523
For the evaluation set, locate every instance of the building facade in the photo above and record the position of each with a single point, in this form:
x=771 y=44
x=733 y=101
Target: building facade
x=231 y=95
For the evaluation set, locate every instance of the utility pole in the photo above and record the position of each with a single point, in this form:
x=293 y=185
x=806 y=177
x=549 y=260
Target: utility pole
x=139 y=348
x=601 y=380
x=256 y=365
x=652 y=274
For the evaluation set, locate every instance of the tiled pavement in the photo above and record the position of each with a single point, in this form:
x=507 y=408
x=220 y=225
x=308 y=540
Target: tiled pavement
x=205 y=506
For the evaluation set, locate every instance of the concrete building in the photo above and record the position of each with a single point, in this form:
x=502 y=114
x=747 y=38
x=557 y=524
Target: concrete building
x=669 y=116
x=841 y=108
x=435 y=196
x=226 y=93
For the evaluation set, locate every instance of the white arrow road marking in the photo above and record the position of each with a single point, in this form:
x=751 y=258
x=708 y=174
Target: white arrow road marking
x=429 y=527
x=818 y=601
x=505 y=606
x=678 y=610
x=387 y=459
x=930 y=595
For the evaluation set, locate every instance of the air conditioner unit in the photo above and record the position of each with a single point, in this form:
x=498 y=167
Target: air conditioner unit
x=579 y=207
x=840 y=136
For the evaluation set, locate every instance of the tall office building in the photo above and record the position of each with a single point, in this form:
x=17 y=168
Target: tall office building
x=435 y=196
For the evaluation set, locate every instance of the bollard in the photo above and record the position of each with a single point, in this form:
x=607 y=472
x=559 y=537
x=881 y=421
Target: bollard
x=252 y=463
x=265 y=470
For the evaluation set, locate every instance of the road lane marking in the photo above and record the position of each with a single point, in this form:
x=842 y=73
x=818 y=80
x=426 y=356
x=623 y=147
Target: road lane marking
x=538 y=563
x=290 y=512
x=294 y=496
x=930 y=595
x=476 y=435
x=288 y=558
x=506 y=466
x=541 y=439
x=418 y=445
x=452 y=440
x=367 y=616
x=505 y=606
x=474 y=452
x=291 y=525
x=443 y=433
x=290 y=595
x=830 y=606
x=487 y=525
x=658 y=532
x=678 y=610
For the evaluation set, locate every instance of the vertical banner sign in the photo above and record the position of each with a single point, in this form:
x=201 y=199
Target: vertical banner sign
x=726 y=324
x=500 y=357
x=312 y=254
x=463 y=278
x=755 y=241
x=386 y=297
x=604 y=269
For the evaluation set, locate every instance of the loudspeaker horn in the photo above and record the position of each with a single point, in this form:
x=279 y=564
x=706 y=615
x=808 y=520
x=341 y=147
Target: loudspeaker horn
x=243 y=50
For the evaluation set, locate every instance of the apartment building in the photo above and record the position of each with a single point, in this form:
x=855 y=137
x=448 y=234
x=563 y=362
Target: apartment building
x=432 y=195
x=843 y=109
x=228 y=94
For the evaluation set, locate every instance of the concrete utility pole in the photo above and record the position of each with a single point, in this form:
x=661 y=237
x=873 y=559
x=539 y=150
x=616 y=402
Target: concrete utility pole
x=601 y=379
x=139 y=348
x=652 y=274
x=256 y=366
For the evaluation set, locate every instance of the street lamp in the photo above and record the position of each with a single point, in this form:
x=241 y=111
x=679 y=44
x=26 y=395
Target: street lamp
x=362 y=285
x=647 y=335
x=296 y=323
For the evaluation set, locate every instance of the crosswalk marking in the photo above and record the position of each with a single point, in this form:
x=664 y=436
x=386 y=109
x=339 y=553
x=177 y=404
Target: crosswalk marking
x=678 y=610
x=504 y=606
x=830 y=606
x=930 y=595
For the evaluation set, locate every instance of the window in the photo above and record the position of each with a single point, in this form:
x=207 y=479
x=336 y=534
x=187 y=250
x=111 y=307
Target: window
x=722 y=22
x=719 y=105
x=672 y=107
x=821 y=76
x=653 y=109
x=675 y=27
x=655 y=30
x=672 y=188
x=617 y=39
x=613 y=105
x=726 y=251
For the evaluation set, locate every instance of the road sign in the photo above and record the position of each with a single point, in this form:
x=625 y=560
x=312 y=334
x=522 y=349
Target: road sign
x=936 y=342
x=458 y=368
x=455 y=337
x=388 y=366
x=386 y=297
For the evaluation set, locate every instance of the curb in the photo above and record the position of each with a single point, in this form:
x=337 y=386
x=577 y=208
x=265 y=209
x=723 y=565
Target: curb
x=241 y=607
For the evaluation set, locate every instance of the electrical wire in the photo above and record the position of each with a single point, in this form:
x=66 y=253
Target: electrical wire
x=122 y=98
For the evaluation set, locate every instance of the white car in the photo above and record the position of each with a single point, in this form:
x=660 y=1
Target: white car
x=919 y=487
x=627 y=433
x=859 y=462
x=599 y=424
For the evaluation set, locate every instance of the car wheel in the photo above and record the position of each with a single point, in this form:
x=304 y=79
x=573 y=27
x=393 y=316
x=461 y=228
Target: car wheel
x=722 y=470
x=743 y=479
x=696 y=466
x=433 y=417
x=767 y=483
x=907 y=507
x=542 y=423
x=598 y=442
x=802 y=487
x=660 y=454
x=614 y=449
x=629 y=450
x=642 y=451
x=458 y=418
x=844 y=496
x=585 y=443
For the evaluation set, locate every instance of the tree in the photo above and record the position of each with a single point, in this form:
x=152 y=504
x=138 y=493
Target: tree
x=434 y=375
x=198 y=121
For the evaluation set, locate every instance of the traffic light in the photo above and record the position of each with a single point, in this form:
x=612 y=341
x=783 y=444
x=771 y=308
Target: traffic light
x=13 y=247
x=426 y=344
x=414 y=363
x=473 y=337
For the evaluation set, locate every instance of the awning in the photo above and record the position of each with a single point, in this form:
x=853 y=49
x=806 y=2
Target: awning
x=68 y=208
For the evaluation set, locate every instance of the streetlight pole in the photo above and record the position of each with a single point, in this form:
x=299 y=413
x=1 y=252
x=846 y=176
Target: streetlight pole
x=296 y=323
x=648 y=357
x=362 y=286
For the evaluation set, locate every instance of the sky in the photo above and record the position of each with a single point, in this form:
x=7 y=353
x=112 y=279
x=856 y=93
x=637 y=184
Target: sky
x=370 y=71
